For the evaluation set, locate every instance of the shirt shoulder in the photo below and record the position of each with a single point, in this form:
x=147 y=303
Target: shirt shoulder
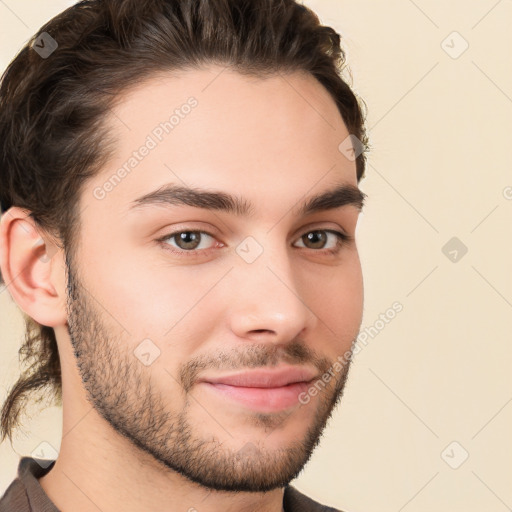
x=14 y=498
x=295 y=501
x=25 y=494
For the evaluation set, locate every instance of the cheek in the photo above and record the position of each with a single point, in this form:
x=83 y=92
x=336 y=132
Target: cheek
x=146 y=298
x=338 y=301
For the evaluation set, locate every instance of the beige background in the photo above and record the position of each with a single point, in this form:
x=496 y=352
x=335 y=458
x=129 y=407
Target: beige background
x=440 y=166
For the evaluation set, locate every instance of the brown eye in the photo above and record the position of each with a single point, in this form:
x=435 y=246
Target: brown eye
x=318 y=239
x=187 y=241
x=315 y=239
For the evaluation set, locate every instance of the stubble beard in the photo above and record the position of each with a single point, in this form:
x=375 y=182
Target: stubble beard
x=122 y=391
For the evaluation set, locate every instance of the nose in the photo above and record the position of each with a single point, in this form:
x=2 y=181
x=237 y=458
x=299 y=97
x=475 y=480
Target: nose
x=267 y=305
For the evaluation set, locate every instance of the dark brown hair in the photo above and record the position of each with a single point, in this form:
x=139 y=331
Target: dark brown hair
x=52 y=109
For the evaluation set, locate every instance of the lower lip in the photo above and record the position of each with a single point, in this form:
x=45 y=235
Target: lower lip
x=262 y=399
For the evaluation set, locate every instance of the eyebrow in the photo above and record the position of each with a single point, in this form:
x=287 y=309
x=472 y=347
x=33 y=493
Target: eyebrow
x=176 y=195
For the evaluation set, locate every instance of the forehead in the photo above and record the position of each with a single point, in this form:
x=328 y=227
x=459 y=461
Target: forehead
x=213 y=127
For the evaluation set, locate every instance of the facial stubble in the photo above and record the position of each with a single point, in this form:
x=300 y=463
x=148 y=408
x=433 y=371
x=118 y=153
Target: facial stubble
x=122 y=391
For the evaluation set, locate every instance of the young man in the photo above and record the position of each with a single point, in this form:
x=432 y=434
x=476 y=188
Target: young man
x=179 y=188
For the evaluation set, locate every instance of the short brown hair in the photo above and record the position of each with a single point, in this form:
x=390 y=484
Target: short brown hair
x=52 y=108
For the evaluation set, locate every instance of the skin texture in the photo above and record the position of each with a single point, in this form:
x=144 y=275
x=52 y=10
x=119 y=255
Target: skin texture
x=147 y=436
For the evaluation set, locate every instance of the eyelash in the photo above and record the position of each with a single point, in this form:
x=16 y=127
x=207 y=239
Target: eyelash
x=342 y=240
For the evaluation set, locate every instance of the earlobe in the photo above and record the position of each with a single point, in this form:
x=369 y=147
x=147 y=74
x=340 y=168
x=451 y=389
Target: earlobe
x=31 y=268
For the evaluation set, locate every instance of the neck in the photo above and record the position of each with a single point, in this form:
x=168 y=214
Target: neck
x=98 y=469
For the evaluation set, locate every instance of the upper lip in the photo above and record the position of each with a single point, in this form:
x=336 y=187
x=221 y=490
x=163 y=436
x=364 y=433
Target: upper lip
x=265 y=378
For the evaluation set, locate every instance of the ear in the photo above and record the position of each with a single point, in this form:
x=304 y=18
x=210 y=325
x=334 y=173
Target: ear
x=32 y=268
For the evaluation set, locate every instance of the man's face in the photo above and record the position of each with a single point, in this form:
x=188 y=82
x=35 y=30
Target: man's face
x=197 y=346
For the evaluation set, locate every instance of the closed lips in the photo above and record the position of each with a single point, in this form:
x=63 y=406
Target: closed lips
x=264 y=378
